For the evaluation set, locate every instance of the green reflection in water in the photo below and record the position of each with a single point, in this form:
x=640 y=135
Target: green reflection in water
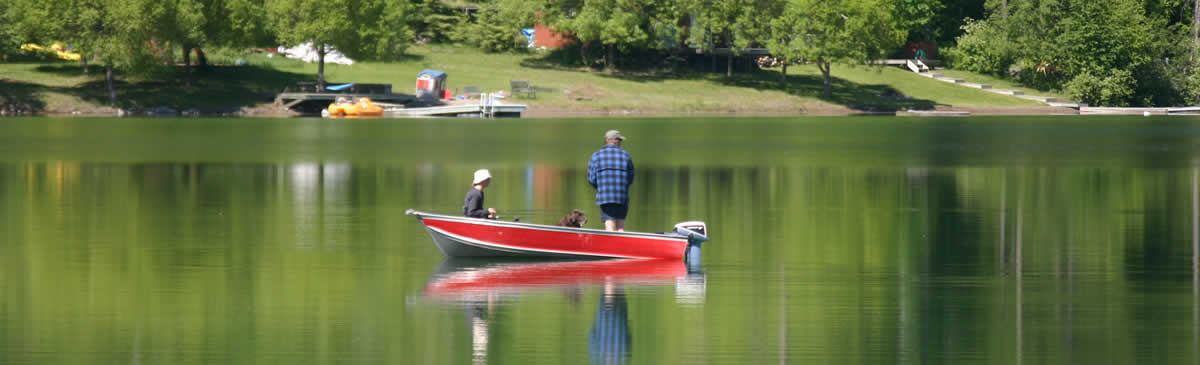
x=1000 y=240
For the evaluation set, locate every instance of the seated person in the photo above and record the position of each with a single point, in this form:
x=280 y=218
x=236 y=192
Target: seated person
x=473 y=202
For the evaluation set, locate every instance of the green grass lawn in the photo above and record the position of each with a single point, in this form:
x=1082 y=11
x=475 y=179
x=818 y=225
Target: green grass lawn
x=62 y=85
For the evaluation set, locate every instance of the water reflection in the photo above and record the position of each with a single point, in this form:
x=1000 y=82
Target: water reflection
x=609 y=340
x=481 y=286
x=858 y=241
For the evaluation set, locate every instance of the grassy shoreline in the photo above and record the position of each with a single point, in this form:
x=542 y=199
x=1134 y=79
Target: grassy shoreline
x=61 y=88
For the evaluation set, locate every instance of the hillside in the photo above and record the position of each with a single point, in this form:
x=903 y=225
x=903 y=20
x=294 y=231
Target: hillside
x=58 y=88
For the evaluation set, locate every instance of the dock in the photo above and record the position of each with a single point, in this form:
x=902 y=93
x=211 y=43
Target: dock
x=460 y=110
x=932 y=113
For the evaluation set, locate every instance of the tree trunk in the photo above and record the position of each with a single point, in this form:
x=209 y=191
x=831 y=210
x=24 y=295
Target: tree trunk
x=1195 y=28
x=187 y=65
x=783 y=75
x=729 y=64
x=321 y=68
x=201 y=59
x=824 y=66
x=583 y=54
x=83 y=62
x=108 y=80
x=608 y=61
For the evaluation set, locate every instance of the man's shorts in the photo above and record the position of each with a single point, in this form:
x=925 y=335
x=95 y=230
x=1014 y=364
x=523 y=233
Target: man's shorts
x=613 y=211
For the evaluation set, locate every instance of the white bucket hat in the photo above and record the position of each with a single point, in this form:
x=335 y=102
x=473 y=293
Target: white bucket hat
x=481 y=175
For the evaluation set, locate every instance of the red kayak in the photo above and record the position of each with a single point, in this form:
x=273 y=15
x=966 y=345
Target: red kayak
x=473 y=237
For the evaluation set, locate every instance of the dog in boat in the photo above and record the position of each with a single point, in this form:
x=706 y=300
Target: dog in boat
x=575 y=219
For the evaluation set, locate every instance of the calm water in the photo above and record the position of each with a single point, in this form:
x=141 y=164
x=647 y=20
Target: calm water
x=1011 y=240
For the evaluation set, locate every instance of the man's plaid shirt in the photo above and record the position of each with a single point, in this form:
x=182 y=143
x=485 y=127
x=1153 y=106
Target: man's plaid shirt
x=610 y=171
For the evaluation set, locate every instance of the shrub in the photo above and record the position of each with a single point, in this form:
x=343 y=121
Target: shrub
x=491 y=33
x=982 y=48
x=1116 y=88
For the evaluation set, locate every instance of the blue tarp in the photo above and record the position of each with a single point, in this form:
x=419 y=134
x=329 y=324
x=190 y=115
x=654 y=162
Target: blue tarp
x=528 y=33
x=339 y=87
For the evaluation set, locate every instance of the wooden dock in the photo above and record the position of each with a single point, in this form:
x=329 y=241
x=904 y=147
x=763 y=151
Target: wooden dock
x=461 y=111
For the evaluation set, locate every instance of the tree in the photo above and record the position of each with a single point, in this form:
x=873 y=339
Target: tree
x=612 y=23
x=113 y=32
x=10 y=41
x=719 y=21
x=497 y=26
x=363 y=29
x=1101 y=52
x=828 y=31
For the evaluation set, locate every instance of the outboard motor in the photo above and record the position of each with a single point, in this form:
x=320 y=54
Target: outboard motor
x=697 y=233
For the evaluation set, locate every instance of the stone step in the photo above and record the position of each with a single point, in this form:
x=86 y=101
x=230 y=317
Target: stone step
x=1066 y=105
x=949 y=79
x=977 y=86
x=1007 y=92
x=1044 y=99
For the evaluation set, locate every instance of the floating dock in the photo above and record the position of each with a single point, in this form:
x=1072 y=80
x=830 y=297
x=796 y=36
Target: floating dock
x=462 y=111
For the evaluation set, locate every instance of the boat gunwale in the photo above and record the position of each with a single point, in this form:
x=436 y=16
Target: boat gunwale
x=546 y=227
x=463 y=240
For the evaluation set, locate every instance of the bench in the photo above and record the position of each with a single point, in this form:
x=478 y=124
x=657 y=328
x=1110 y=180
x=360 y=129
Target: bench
x=522 y=87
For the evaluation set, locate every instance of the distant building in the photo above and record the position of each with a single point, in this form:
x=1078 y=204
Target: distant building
x=543 y=36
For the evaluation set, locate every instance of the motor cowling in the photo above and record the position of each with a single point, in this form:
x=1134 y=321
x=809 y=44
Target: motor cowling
x=692 y=229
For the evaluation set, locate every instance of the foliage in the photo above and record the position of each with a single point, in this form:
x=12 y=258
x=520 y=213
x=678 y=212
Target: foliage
x=915 y=16
x=10 y=40
x=625 y=25
x=824 y=32
x=947 y=24
x=498 y=28
x=1101 y=52
x=1094 y=88
x=982 y=48
x=435 y=21
x=1190 y=84
x=361 y=29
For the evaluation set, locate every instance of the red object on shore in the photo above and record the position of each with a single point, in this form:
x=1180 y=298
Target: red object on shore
x=466 y=237
x=543 y=36
x=447 y=94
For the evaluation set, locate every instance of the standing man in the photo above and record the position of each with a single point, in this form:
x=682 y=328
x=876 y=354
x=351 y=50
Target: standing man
x=610 y=171
x=473 y=202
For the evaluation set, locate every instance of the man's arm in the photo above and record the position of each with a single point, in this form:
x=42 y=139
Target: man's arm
x=629 y=177
x=591 y=171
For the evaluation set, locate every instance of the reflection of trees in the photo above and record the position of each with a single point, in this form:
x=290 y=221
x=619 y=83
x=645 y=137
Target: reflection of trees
x=892 y=262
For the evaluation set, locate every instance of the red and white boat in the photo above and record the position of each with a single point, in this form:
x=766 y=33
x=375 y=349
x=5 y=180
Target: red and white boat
x=473 y=237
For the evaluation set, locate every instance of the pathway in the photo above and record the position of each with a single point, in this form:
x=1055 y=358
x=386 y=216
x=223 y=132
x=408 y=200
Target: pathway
x=923 y=70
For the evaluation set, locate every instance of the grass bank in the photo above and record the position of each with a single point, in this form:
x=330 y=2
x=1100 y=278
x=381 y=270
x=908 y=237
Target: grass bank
x=55 y=87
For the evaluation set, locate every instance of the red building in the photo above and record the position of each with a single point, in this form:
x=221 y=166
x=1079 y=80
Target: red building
x=543 y=36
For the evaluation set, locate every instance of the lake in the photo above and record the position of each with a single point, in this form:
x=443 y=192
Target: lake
x=1007 y=240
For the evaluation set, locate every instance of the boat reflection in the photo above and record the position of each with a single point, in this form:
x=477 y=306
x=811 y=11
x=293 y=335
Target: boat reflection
x=483 y=284
x=469 y=279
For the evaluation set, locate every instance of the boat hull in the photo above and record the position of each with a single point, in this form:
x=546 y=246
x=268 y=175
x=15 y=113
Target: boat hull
x=472 y=237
